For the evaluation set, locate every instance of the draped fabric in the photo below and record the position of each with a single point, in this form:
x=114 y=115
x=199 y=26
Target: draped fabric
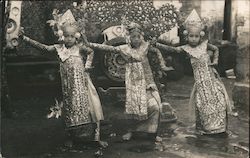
x=151 y=124
x=136 y=99
x=143 y=101
x=81 y=103
x=209 y=97
x=138 y=80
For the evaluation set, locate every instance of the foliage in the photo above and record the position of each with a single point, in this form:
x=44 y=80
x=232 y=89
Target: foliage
x=99 y=15
x=95 y=16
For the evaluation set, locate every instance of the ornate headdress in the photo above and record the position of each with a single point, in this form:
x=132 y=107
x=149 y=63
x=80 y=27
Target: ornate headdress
x=134 y=27
x=63 y=20
x=193 y=21
x=131 y=27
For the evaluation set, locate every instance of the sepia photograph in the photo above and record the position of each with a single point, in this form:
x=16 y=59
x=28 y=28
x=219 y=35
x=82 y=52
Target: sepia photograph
x=124 y=78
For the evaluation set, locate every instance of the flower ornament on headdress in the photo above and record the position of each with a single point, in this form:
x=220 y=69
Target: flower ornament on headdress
x=194 y=22
x=62 y=20
x=134 y=27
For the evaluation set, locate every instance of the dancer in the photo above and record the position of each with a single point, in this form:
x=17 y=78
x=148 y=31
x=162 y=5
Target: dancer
x=143 y=102
x=209 y=96
x=81 y=109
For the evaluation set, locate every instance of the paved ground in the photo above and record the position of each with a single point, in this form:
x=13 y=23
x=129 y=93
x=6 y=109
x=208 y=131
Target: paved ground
x=32 y=135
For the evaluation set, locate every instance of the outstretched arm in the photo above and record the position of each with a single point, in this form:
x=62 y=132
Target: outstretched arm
x=39 y=45
x=215 y=53
x=115 y=50
x=104 y=47
x=168 y=48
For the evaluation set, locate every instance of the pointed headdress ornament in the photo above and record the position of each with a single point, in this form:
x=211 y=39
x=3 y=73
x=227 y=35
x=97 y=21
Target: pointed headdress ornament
x=193 y=21
x=62 y=20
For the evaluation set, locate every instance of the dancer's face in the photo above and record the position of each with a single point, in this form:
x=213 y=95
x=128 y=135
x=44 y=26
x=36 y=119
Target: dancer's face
x=194 y=37
x=136 y=39
x=69 y=36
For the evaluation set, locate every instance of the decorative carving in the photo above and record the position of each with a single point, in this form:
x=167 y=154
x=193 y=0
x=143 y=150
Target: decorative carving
x=114 y=66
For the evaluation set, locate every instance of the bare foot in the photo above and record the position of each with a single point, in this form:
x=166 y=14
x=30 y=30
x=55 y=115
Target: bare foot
x=103 y=144
x=127 y=136
x=158 y=139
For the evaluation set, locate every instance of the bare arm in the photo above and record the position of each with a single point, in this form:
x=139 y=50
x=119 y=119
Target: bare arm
x=215 y=53
x=168 y=48
x=39 y=45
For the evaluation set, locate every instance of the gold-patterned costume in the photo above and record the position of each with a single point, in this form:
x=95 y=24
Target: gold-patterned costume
x=143 y=101
x=81 y=103
x=81 y=109
x=209 y=96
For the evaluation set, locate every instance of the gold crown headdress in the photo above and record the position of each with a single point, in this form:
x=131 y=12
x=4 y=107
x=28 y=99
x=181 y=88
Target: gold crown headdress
x=62 y=20
x=193 y=21
x=131 y=26
x=134 y=27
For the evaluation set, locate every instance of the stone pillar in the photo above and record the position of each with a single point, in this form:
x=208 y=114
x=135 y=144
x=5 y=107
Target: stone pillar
x=233 y=28
x=241 y=87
